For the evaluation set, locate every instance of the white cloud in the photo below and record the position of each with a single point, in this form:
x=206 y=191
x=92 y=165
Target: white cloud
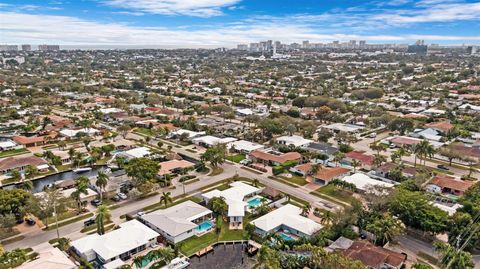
x=35 y=29
x=198 y=8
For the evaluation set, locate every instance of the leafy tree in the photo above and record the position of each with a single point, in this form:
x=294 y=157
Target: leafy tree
x=218 y=205
x=142 y=170
x=453 y=258
x=402 y=125
x=215 y=155
x=385 y=228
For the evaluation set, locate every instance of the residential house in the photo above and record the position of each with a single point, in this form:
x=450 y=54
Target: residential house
x=19 y=163
x=179 y=222
x=293 y=140
x=236 y=197
x=366 y=161
x=447 y=184
x=271 y=157
x=365 y=183
x=210 y=141
x=131 y=238
x=173 y=166
x=9 y=145
x=31 y=141
x=324 y=174
x=243 y=146
x=286 y=220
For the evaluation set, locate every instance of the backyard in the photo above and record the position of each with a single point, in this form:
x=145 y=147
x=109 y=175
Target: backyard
x=236 y=158
x=337 y=195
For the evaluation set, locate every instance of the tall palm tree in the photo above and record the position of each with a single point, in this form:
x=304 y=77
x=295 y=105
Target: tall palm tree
x=103 y=215
x=81 y=187
x=314 y=168
x=355 y=163
x=166 y=198
x=101 y=183
x=327 y=217
x=168 y=254
x=306 y=209
x=425 y=150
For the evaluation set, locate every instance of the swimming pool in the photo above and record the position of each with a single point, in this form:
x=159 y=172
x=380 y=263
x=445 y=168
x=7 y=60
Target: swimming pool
x=286 y=237
x=204 y=226
x=254 y=202
x=147 y=259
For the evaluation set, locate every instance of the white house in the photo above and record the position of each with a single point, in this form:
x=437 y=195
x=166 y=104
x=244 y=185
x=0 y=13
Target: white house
x=288 y=220
x=236 y=198
x=244 y=146
x=209 y=140
x=139 y=152
x=294 y=140
x=69 y=133
x=132 y=237
x=364 y=182
x=8 y=145
x=180 y=222
x=190 y=134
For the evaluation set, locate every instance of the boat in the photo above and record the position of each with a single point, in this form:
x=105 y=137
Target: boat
x=177 y=263
x=82 y=169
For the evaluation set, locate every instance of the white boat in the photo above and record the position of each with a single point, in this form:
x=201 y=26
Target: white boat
x=177 y=263
x=82 y=169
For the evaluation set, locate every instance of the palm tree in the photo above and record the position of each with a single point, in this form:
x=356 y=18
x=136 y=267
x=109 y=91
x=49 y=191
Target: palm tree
x=453 y=258
x=81 y=187
x=168 y=254
x=402 y=152
x=103 y=215
x=327 y=217
x=314 y=168
x=138 y=261
x=16 y=175
x=378 y=160
x=426 y=150
x=165 y=198
x=306 y=209
x=338 y=157
x=355 y=163
x=255 y=182
x=101 y=183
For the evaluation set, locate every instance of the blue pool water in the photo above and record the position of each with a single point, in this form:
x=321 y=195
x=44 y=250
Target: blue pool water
x=254 y=202
x=286 y=237
x=204 y=226
x=345 y=163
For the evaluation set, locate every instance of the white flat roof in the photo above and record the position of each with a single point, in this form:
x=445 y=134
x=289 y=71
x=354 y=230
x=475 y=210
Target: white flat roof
x=177 y=219
x=190 y=133
x=7 y=144
x=294 y=140
x=213 y=140
x=117 y=263
x=138 y=152
x=343 y=127
x=287 y=215
x=362 y=181
x=234 y=197
x=132 y=234
x=244 y=145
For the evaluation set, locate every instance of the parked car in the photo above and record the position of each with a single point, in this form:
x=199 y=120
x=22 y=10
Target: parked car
x=89 y=222
x=30 y=221
x=140 y=213
x=96 y=202
x=245 y=161
x=372 y=135
x=443 y=167
x=122 y=195
x=116 y=198
x=392 y=146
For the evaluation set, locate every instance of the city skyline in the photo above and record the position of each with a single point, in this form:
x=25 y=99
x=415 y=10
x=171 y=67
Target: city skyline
x=226 y=23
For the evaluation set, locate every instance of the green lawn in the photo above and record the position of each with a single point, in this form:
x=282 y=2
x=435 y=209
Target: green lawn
x=338 y=194
x=144 y=131
x=236 y=158
x=215 y=171
x=12 y=152
x=299 y=180
x=195 y=244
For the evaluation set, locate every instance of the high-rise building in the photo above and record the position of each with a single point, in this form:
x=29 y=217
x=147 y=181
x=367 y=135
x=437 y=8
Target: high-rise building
x=420 y=42
x=8 y=47
x=363 y=44
x=48 y=47
x=305 y=44
x=26 y=47
x=242 y=47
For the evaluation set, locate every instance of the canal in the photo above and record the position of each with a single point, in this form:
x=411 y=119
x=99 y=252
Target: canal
x=40 y=183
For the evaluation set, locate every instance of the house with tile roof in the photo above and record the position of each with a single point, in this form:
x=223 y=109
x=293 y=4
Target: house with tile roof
x=271 y=157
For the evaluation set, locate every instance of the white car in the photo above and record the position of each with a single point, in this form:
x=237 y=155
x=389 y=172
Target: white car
x=372 y=135
x=140 y=213
x=122 y=195
x=245 y=161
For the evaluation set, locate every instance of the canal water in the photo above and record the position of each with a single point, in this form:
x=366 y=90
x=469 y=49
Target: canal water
x=40 y=183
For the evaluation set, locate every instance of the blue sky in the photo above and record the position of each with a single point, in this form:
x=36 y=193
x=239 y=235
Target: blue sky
x=216 y=23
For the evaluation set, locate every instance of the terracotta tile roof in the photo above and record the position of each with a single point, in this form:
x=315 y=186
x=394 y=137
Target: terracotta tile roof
x=167 y=166
x=452 y=183
x=444 y=126
x=324 y=173
x=365 y=159
x=16 y=162
x=387 y=167
x=27 y=140
x=373 y=256
x=467 y=151
x=289 y=156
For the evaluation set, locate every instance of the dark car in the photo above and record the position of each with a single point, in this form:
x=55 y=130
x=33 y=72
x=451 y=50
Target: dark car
x=89 y=222
x=30 y=221
x=443 y=167
x=96 y=202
